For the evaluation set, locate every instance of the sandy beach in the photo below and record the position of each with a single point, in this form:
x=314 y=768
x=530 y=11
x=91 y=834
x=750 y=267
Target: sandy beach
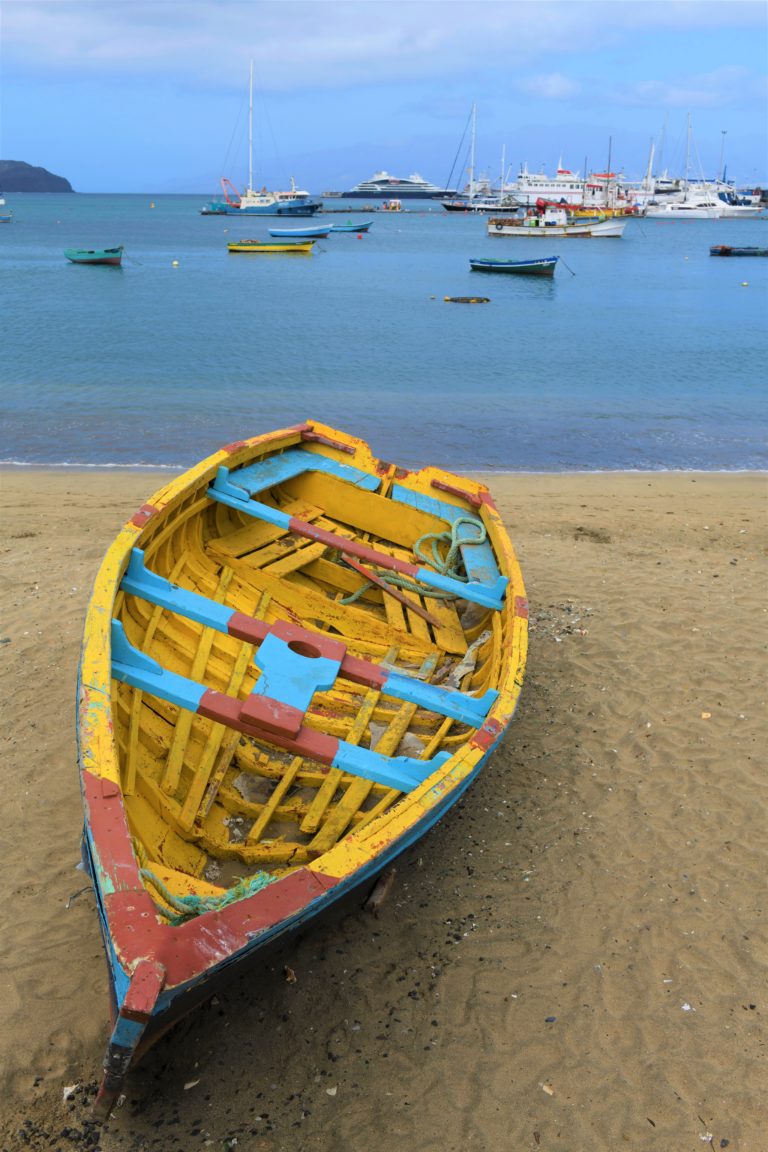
x=574 y=959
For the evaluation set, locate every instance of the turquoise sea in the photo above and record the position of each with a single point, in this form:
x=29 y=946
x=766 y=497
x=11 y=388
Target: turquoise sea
x=642 y=353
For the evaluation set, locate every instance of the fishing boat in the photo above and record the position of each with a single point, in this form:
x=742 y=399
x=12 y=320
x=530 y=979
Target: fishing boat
x=362 y=227
x=317 y=232
x=550 y=221
x=6 y=216
x=267 y=247
x=250 y=202
x=296 y=659
x=95 y=255
x=728 y=250
x=543 y=267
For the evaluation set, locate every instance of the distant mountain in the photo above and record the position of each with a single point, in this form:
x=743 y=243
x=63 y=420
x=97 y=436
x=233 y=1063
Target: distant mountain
x=16 y=176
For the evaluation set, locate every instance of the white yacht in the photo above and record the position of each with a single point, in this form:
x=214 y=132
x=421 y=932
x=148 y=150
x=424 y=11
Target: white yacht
x=383 y=186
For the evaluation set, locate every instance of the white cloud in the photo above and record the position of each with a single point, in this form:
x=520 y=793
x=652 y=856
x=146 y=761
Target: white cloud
x=551 y=86
x=332 y=43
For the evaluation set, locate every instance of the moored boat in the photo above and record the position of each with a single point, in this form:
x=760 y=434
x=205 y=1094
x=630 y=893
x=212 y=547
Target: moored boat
x=267 y=247
x=296 y=659
x=549 y=222
x=112 y=256
x=362 y=227
x=543 y=267
x=317 y=232
x=729 y=250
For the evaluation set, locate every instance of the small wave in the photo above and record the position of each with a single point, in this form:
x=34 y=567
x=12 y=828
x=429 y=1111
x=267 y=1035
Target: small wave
x=82 y=467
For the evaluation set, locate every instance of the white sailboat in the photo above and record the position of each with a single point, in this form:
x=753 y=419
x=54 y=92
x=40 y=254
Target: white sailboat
x=696 y=203
x=294 y=202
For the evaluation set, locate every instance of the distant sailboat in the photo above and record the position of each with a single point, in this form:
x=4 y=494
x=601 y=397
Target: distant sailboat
x=294 y=202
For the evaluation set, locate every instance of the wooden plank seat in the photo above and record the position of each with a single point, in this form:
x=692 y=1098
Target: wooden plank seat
x=310 y=647
x=227 y=490
x=268 y=718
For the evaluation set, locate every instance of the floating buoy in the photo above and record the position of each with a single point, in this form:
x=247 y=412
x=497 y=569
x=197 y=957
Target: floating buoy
x=745 y=283
x=152 y=204
x=467 y=299
x=174 y=263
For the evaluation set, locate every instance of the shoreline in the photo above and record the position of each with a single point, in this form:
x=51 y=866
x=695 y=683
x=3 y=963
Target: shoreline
x=12 y=466
x=584 y=927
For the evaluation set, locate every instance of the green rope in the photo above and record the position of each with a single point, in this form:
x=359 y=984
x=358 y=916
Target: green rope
x=446 y=566
x=188 y=906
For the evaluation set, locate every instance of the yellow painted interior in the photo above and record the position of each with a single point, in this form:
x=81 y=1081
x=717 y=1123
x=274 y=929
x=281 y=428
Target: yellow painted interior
x=206 y=805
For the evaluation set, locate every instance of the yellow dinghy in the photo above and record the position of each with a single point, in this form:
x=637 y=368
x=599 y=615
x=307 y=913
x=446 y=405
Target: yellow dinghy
x=271 y=246
x=296 y=658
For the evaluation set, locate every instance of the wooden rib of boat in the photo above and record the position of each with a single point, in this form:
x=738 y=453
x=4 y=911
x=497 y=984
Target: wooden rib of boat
x=95 y=255
x=543 y=267
x=318 y=232
x=362 y=227
x=728 y=250
x=267 y=247
x=296 y=658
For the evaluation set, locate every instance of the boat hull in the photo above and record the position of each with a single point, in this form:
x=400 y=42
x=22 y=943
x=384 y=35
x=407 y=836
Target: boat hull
x=300 y=209
x=613 y=228
x=318 y=233
x=263 y=247
x=728 y=250
x=544 y=267
x=187 y=785
x=111 y=256
x=352 y=227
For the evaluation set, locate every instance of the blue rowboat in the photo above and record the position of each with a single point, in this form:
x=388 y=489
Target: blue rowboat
x=317 y=232
x=362 y=227
x=94 y=255
x=296 y=659
x=542 y=267
x=728 y=250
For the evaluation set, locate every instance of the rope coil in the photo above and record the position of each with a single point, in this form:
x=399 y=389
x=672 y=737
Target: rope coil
x=446 y=566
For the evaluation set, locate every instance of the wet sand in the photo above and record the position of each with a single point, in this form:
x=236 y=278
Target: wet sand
x=574 y=959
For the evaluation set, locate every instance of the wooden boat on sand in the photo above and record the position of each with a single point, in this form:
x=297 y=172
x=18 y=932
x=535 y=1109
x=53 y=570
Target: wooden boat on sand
x=112 y=256
x=543 y=267
x=728 y=250
x=266 y=247
x=296 y=658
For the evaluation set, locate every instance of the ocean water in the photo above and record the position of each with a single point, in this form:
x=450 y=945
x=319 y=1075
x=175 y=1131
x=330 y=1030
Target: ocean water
x=642 y=353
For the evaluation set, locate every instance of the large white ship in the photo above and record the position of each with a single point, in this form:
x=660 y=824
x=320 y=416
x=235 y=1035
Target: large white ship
x=382 y=186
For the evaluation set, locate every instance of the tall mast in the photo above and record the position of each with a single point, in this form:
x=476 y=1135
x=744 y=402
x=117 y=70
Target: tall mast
x=472 y=153
x=687 y=155
x=250 y=131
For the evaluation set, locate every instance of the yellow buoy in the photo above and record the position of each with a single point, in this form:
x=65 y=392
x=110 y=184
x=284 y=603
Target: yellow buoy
x=174 y=263
x=745 y=283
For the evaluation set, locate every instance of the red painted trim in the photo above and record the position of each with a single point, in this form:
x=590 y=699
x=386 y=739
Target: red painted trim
x=362 y=551
x=145 y=513
x=146 y=985
x=318 y=438
x=521 y=607
x=188 y=950
x=235 y=446
x=273 y=715
x=246 y=628
x=306 y=741
x=487 y=735
x=470 y=497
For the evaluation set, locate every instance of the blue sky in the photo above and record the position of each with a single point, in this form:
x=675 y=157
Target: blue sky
x=138 y=96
